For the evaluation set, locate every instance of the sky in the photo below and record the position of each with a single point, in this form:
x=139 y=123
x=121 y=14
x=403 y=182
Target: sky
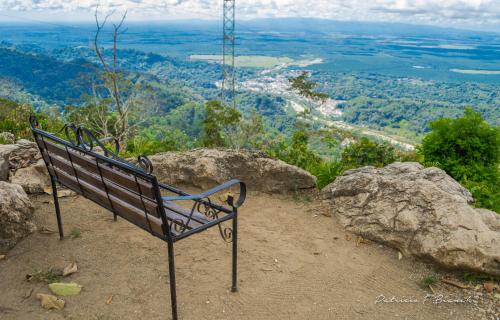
x=467 y=14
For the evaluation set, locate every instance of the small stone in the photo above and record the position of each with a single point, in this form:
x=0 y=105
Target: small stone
x=65 y=289
x=49 y=302
x=2 y=257
x=28 y=293
x=70 y=269
x=488 y=286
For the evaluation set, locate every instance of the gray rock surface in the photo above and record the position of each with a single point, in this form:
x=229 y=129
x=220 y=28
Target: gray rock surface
x=4 y=167
x=419 y=211
x=206 y=168
x=16 y=213
x=15 y=156
x=34 y=179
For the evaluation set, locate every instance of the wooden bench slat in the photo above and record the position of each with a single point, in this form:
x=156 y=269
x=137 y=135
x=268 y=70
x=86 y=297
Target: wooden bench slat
x=123 y=179
x=95 y=182
x=121 y=208
x=173 y=212
x=114 y=189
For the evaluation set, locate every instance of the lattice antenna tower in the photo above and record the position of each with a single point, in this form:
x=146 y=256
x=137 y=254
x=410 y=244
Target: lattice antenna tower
x=229 y=38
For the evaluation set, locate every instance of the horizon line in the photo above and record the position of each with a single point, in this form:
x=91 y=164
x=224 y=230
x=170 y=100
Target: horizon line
x=30 y=21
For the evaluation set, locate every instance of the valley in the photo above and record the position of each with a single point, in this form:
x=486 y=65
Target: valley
x=386 y=81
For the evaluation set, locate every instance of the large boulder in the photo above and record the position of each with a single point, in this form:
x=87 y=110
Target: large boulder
x=34 y=179
x=16 y=213
x=206 y=168
x=421 y=212
x=22 y=154
x=4 y=166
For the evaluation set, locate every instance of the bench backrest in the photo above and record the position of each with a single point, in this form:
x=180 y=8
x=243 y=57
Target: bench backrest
x=118 y=186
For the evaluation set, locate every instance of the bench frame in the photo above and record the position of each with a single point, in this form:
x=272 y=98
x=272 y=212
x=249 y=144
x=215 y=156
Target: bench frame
x=81 y=143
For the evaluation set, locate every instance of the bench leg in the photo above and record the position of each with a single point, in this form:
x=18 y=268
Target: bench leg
x=56 y=205
x=171 y=272
x=234 y=287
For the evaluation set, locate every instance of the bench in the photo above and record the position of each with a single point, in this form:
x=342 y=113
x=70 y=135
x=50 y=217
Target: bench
x=131 y=191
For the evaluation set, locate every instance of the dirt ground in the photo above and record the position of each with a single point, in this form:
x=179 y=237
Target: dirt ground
x=294 y=263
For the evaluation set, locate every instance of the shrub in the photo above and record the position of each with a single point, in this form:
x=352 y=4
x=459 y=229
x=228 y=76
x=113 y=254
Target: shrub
x=154 y=140
x=468 y=149
x=368 y=153
x=14 y=119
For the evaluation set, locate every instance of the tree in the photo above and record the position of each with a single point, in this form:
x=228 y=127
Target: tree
x=306 y=88
x=218 y=118
x=111 y=114
x=250 y=133
x=468 y=149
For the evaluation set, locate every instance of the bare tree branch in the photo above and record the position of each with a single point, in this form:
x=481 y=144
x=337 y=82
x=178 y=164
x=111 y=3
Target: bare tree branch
x=121 y=126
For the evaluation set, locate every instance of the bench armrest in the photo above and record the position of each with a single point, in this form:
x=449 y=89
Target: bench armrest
x=206 y=194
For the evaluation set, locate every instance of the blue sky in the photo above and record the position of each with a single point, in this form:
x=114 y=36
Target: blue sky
x=470 y=14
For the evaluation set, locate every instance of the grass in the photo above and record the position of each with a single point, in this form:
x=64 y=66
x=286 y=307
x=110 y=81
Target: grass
x=426 y=281
x=474 y=277
x=46 y=276
x=75 y=233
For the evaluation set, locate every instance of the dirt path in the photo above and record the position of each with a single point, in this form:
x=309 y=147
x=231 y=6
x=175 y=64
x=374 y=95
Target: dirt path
x=294 y=264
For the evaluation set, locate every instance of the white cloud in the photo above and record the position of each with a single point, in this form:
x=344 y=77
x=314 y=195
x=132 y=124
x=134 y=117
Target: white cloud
x=441 y=12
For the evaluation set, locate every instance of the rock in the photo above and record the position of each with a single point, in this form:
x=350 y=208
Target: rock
x=7 y=138
x=61 y=191
x=206 y=168
x=489 y=287
x=49 y=302
x=19 y=155
x=70 y=269
x=4 y=167
x=16 y=213
x=34 y=179
x=418 y=211
x=65 y=289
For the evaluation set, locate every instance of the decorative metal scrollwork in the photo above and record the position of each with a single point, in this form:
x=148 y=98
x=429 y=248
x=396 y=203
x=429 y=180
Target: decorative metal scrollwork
x=207 y=210
x=179 y=225
x=34 y=122
x=83 y=138
x=145 y=164
x=71 y=132
x=210 y=212
x=226 y=234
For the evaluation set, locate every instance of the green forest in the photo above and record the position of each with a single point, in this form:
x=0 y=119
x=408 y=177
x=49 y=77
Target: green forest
x=155 y=103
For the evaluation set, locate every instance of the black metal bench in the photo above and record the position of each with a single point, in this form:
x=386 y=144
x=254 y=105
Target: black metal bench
x=132 y=192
